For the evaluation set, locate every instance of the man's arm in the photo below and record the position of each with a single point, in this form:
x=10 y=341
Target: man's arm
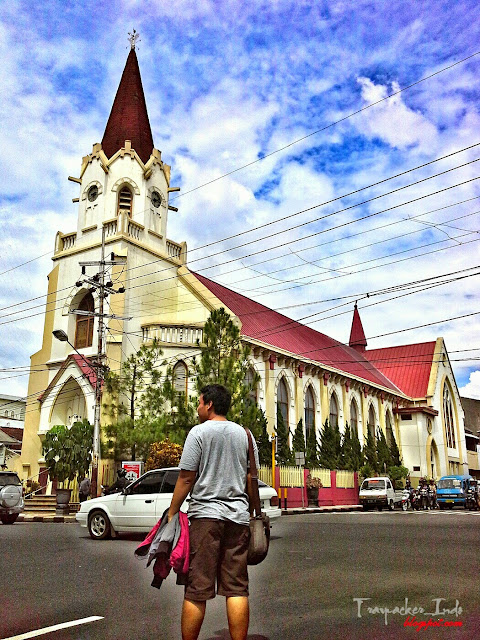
x=185 y=482
x=250 y=493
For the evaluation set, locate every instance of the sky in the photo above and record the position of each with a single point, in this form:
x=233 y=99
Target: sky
x=271 y=113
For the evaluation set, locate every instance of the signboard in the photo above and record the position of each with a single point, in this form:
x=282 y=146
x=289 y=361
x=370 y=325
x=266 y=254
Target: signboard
x=300 y=458
x=134 y=469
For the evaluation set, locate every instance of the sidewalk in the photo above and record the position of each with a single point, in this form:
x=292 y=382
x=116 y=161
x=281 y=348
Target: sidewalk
x=295 y=511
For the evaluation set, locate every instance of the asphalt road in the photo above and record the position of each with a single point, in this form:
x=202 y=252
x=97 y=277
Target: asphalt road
x=317 y=565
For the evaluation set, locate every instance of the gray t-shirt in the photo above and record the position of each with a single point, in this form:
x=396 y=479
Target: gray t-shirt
x=218 y=450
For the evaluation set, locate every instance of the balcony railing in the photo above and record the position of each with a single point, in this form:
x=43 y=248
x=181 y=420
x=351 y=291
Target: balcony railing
x=65 y=241
x=173 y=334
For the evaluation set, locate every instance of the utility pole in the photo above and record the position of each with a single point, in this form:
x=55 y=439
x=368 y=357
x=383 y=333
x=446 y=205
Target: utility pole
x=103 y=290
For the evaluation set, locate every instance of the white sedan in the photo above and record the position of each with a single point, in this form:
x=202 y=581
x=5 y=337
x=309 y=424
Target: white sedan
x=140 y=505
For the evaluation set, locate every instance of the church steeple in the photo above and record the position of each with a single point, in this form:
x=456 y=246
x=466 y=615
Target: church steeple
x=129 y=118
x=357 y=335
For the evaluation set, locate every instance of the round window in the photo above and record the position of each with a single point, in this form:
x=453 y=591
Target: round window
x=156 y=199
x=92 y=193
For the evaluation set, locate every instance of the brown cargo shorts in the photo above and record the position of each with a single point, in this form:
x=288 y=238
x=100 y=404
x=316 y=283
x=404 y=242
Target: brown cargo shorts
x=218 y=553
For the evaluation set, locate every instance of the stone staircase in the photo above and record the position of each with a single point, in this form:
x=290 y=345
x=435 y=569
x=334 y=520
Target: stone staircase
x=41 y=504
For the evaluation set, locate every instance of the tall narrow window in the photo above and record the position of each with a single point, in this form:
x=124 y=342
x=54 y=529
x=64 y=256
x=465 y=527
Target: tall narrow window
x=333 y=411
x=250 y=383
x=448 y=418
x=389 y=429
x=125 y=201
x=353 y=416
x=84 y=327
x=371 y=421
x=180 y=376
x=282 y=400
x=309 y=412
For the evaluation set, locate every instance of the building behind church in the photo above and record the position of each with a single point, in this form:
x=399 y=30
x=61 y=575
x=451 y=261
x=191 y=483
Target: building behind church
x=408 y=392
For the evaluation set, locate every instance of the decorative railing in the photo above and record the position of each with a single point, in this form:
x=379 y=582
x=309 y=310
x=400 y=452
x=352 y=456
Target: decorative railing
x=110 y=227
x=65 y=241
x=174 y=249
x=173 y=334
x=134 y=229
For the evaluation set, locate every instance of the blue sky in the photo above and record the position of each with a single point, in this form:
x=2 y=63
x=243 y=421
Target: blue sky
x=227 y=83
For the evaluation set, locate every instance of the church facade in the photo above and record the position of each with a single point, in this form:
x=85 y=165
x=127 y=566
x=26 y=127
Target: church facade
x=124 y=186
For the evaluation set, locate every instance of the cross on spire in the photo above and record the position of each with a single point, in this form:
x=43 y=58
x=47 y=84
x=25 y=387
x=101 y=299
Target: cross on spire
x=133 y=39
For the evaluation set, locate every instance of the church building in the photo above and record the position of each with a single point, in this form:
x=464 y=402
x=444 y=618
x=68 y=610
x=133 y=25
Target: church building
x=124 y=185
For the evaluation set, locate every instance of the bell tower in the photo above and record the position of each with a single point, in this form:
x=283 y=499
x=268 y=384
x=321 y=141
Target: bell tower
x=124 y=184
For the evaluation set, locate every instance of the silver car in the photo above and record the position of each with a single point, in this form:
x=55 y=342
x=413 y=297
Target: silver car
x=142 y=503
x=11 y=497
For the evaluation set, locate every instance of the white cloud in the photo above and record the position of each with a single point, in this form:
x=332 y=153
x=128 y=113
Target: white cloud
x=392 y=121
x=472 y=388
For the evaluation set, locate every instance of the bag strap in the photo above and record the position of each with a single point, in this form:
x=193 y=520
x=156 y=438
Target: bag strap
x=254 y=476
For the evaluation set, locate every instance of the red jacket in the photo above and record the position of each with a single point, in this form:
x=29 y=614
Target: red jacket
x=168 y=543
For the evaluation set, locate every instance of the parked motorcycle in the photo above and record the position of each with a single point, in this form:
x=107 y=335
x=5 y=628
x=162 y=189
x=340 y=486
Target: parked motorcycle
x=415 y=499
x=406 y=503
x=471 y=501
x=424 y=501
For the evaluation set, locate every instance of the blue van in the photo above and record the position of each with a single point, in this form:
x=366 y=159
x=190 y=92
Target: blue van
x=452 y=490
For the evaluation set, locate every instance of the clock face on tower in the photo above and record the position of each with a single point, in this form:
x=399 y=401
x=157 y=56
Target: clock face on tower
x=92 y=193
x=156 y=199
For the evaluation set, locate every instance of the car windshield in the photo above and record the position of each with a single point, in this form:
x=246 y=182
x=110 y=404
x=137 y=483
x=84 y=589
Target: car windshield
x=9 y=478
x=449 y=483
x=373 y=484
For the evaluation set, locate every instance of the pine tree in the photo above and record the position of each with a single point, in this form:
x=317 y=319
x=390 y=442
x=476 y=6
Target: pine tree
x=328 y=453
x=357 y=453
x=311 y=451
x=337 y=442
x=298 y=444
x=395 y=453
x=263 y=442
x=384 y=458
x=347 y=461
x=370 y=454
x=284 y=454
x=135 y=404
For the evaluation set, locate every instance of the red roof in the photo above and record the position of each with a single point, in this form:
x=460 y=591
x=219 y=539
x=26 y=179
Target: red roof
x=82 y=363
x=408 y=366
x=129 y=118
x=357 y=334
x=273 y=328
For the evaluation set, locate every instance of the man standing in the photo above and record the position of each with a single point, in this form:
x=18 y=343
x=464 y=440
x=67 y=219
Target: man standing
x=214 y=468
x=84 y=489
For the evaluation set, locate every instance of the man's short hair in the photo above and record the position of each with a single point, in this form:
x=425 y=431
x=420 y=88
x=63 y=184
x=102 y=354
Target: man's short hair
x=219 y=396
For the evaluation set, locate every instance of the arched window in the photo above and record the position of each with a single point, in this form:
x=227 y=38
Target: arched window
x=12 y=415
x=84 y=327
x=448 y=418
x=6 y=414
x=371 y=421
x=282 y=400
x=125 y=201
x=251 y=384
x=389 y=429
x=309 y=412
x=353 y=416
x=333 y=411
x=180 y=377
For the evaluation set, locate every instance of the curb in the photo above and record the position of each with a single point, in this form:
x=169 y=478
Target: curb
x=339 y=508
x=27 y=517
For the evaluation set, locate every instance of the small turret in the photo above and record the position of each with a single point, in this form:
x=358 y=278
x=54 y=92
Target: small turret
x=357 y=335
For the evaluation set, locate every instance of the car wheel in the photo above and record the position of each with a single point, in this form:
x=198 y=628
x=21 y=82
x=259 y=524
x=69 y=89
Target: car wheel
x=99 y=526
x=8 y=518
x=379 y=508
x=441 y=506
x=391 y=505
x=450 y=506
x=366 y=507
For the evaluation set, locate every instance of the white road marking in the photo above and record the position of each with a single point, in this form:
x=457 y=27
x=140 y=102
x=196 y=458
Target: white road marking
x=55 y=627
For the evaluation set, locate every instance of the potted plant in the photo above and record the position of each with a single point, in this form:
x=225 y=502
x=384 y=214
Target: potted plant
x=313 y=485
x=68 y=453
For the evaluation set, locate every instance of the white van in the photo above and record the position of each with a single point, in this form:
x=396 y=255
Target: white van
x=378 y=492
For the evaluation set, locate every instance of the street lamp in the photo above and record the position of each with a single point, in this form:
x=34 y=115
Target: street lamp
x=60 y=335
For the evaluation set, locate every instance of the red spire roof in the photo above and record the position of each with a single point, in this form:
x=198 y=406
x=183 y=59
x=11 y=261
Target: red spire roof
x=129 y=118
x=357 y=335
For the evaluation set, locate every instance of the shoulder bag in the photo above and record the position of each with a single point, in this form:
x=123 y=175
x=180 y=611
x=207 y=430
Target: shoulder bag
x=259 y=522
